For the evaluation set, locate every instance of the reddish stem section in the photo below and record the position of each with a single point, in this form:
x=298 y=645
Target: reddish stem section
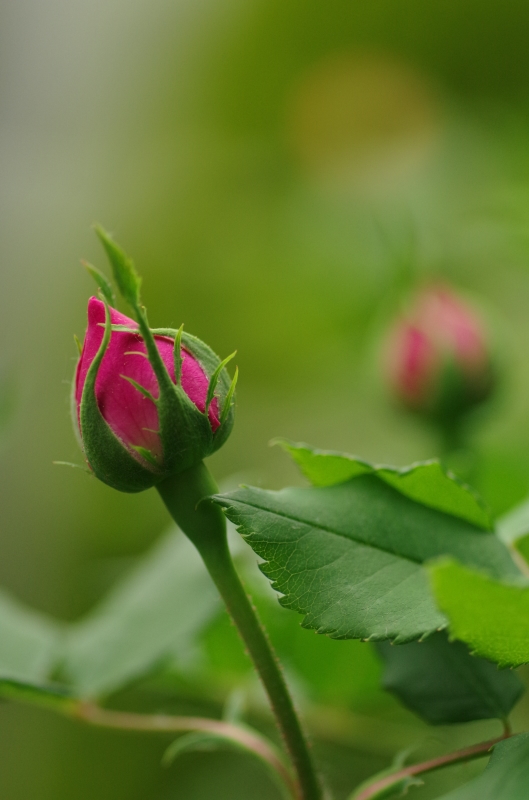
x=457 y=757
x=162 y=723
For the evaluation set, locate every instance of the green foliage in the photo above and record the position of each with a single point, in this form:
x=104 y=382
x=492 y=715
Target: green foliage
x=513 y=529
x=349 y=556
x=441 y=682
x=28 y=642
x=492 y=617
x=426 y=482
x=506 y=776
x=152 y=615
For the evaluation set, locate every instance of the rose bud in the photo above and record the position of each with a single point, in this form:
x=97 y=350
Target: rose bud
x=438 y=357
x=147 y=404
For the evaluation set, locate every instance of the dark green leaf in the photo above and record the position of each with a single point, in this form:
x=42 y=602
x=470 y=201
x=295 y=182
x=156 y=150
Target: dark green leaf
x=349 y=556
x=506 y=776
x=490 y=616
x=426 y=482
x=441 y=682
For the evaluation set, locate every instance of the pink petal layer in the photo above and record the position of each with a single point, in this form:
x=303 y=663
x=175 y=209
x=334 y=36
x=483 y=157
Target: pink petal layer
x=132 y=416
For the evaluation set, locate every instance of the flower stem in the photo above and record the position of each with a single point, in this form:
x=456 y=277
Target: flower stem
x=205 y=525
x=380 y=788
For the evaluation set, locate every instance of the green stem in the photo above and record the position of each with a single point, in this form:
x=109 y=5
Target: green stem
x=205 y=524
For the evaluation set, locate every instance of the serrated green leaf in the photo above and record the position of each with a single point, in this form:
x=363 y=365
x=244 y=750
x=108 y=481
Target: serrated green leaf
x=441 y=682
x=490 y=616
x=506 y=776
x=349 y=557
x=152 y=614
x=426 y=482
x=127 y=279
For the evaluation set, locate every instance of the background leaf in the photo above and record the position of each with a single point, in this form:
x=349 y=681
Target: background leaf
x=152 y=614
x=506 y=776
x=490 y=616
x=349 y=556
x=442 y=683
x=427 y=482
x=29 y=642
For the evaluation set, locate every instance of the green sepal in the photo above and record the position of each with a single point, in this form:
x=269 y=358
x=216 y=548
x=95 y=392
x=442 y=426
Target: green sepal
x=139 y=388
x=185 y=433
x=145 y=453
x=107 y=456
x=178 y=355
x=102 y=281
x=209 y=362
x=228 y=405
x=127 y=279
x=215 y=379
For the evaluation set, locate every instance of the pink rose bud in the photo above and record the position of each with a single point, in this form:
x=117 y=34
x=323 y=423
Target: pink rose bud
x=438 y=359
x=147 y=404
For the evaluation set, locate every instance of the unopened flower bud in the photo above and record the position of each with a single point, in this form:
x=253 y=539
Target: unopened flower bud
x=438 y=356
x=147 y=404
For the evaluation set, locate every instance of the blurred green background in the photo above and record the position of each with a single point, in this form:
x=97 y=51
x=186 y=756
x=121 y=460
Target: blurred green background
x=281 y=172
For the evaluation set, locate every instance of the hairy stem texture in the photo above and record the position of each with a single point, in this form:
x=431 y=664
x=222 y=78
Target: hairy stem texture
x=205 y=525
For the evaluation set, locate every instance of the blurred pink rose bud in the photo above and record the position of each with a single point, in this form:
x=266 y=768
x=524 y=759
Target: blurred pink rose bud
x=438 y=359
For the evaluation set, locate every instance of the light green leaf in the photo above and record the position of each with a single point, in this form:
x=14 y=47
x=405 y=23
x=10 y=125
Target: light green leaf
x=426 y=482
x=151 y=615
x=127 y=279
x=490 y=616
x=443 y=683
x=349 y=556
x=513 y=530
x=506 y=776
x=514 y=524
x=29 y=642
